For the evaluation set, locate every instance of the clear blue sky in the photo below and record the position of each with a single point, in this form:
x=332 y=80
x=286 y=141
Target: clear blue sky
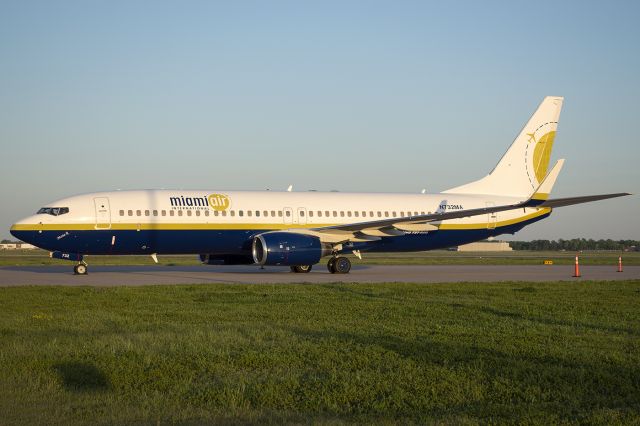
x=355 y=96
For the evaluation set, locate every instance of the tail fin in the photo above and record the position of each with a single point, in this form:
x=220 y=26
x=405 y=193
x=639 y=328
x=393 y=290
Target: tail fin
x=524 y=166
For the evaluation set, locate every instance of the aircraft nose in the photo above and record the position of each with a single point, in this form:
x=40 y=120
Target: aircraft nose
x=23 y=230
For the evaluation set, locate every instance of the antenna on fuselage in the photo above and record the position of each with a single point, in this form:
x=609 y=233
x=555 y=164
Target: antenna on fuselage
x=424 y=190
x=290 y=188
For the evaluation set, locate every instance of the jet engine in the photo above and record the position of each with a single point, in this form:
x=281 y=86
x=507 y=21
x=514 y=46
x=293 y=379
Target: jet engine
x=288 y=249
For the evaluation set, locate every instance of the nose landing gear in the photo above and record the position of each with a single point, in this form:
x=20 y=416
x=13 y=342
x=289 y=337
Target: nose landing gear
x=80 y=268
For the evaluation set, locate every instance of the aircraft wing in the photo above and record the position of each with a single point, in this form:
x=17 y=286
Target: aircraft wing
x=561 y=202
x=389 y=227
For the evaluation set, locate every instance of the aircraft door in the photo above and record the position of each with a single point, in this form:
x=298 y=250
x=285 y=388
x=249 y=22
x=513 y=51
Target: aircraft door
x=492 y=218
x=302 y=216
x=287 y=215
x=103 y=213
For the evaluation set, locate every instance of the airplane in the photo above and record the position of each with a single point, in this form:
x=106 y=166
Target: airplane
x=298 y=229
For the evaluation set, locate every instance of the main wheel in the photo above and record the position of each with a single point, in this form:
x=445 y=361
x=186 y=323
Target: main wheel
x=301 y=269
x=342 y=265
x=331 y=265
x=80 y=269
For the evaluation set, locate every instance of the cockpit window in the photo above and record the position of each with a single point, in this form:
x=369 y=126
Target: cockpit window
x=54 y=211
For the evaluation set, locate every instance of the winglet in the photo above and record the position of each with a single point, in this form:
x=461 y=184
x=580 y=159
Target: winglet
x=543 y=191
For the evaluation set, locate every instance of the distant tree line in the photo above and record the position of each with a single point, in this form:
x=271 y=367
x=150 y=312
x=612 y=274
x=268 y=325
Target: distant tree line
x=575 y=244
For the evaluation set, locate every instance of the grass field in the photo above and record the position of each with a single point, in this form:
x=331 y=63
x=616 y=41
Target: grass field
x=436 y=257
x=536 y=353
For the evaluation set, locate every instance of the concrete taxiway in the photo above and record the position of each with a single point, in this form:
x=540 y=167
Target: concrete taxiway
x=106 y=276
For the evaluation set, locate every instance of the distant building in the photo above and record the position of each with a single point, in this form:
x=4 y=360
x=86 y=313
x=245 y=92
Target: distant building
x=17 y=246
x=486 y=246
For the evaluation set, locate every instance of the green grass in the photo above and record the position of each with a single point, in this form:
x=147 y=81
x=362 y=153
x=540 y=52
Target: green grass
x=533 y=353
x=436 y=257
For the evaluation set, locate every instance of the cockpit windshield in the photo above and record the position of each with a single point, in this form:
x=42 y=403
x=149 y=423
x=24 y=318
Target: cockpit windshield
x=54 y=211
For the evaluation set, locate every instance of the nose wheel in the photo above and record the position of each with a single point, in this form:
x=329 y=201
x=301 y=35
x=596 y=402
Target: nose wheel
x=80 y=269
x=301 y=269
x=339 y=265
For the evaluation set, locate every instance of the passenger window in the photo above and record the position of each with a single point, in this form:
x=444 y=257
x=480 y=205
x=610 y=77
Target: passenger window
x=206 y=212
x=164 y=212
x=386 y=214
x=371 y=214
x=232 y=212
x=279 y=213
x=249 y=213
x=215 y=212
x=138 y=213
x=335 y=213
x=393 y=214
x=121 y=212
x=146 y=212
x=273 y=213
x=379 y=214
x=310 y=213
x=188 y=212
x=319 y=213
x=179 y=212
x=341 y=213
x=265 y=213
x=240 y=213
x=257 y=213
x=197 y=212
x=171 y=213
x=224 y=213
x=302 y=213
x=288 y=213
x=401 y=214
x=130 y=212
x=364 y=214
x=349 y=213
x=155 y=212
x=422 y=213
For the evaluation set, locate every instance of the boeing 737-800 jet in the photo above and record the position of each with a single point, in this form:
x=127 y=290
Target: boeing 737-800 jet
x=298 y=229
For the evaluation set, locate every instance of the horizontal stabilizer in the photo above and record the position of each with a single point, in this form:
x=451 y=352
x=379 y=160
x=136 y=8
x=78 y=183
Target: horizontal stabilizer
x=547 y=184
x=561 y=202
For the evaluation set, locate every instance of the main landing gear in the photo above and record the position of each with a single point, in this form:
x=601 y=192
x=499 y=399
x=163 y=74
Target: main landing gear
x=336 y=265
x=80 y=269
x=339 y=265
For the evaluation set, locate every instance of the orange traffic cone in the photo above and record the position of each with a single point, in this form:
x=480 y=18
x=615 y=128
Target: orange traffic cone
x=576 y=274
x=619 y=263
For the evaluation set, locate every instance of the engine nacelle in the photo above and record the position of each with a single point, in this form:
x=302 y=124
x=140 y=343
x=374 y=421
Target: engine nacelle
x=225 y=259
x=288 y=248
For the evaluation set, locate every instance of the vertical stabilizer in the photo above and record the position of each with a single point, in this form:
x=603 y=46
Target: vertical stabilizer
x=524 y=166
